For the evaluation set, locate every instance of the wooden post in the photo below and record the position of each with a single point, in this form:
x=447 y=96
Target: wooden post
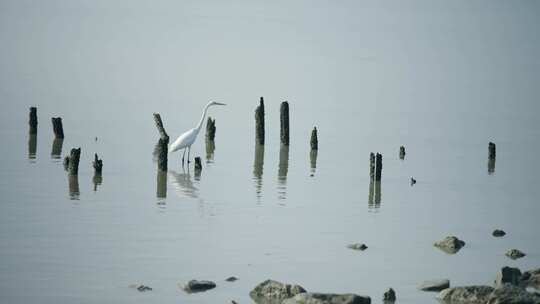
x=378 y=167
x=73 y=184
x=56 y=150
x=402 y=152
x=491 y=150
x=210 y=129
x=314 y=140
x=259 y=123
x=313 y=160
x=210 y=148
x=163 y=143
x=32 y=146
x=73 y=161
x=161 y=191
x=284 y=118
x=198 y=164
x=57 y=127
x=33 y=122
x=97 y=164
x=371 y=166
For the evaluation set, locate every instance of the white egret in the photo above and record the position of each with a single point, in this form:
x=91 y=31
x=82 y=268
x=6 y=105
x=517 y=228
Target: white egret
x=185 y=140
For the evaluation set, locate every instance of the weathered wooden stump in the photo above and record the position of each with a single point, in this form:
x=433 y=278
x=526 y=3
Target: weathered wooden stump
x=163 y=143
x=313 y=160
x=33 y=121
x=370 y=194
x=402 y=152
x=259 y=123
x=371 y=166
x=97 y=180
x=210 y=129
x=377 y=185
x=57 y=127
x=198 y=164
x=97 y=164
x=73 y=184
x=378 y=167
x=284 y=118
x=161 y=191
x=210 y=148
x=314 y=141
x=71 y=162
x=491 y=150
x=56 y=150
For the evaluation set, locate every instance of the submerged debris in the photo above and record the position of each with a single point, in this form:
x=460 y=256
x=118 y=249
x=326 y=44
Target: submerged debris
x=434 y=285
x=357 y=246
x=198 y=286
x=498 y=233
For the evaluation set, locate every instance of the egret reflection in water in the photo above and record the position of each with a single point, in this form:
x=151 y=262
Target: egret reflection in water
x=282 y=171
x=258 y=167
x=183 y=184
x=32 y=147
x=56 y=149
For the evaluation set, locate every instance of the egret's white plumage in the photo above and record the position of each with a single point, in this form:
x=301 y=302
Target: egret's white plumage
x=188 y=138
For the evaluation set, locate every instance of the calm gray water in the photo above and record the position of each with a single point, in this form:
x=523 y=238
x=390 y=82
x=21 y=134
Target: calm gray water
x=442 y=78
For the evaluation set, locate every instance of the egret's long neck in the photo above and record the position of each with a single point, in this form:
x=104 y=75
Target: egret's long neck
x=202 y=117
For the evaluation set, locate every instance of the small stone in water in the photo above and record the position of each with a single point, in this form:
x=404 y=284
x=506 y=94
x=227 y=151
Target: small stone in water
x=498 y=233
x=357 y=246
x=389 y=296
x=231 y=279
x=515 y=254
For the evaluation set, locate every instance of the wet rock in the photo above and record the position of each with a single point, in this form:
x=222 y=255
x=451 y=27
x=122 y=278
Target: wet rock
x=231 y=279
x=531 y=278
x=357 y=246
x=198 y=286
x=466 y=294
x=498 y=233
x=508 y=275
x=140 y=287
x=270 y=291
x=389 y=296
x=327 y=298
x=515 y=254
x=434 y=285
x=450 y=244
x=509 y=294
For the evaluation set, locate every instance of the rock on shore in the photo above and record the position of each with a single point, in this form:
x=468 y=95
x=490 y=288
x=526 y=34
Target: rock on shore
x=327 y=298
x=270 y=292
x=434 y=285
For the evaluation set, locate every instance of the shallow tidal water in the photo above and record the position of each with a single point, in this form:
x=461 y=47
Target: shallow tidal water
x=443 y=79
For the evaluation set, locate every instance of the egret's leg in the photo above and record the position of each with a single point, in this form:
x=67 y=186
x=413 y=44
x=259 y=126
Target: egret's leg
x=188 y=152
x=183 y=156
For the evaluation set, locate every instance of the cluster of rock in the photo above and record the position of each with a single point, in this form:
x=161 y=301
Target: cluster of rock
x=510 y=288
x=274 y=292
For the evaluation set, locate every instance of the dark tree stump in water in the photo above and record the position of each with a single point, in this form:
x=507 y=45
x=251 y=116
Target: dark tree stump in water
x=491 y=150
x=210 y=129
x=198 y=164
x=371 y=166
x=57 y=127
x=284 y=118
x=162 y=147
x=378 y=167
x=402 y=152
x=259 y=123
x=33 y=122
x=314 y=142
x=97 y=164
x=72 y=161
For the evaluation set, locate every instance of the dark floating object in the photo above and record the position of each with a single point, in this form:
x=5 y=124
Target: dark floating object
x=198 y=286
x=314 y=141
x=231 y=279
x=434 y=285
x=515 y=254
x=390 y=295
x=140 y=287
x=413 y=181
x=57 y=127
x=284 y=119
x=450 y=244
x=498 y=233
x=33 y=121
x=210 y=129
x=198 y=164
x=357 y=246
x=97 y=164
x=402 y=152
x=259 y=123
x=71 y=162
x=162 y=146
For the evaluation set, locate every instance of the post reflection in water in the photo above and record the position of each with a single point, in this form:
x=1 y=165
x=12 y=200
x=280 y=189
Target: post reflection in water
x=73 y=181
x=161 y=188
x=313 y=160
x=282 y=172
x=183 y=184
x=210 y=148
x=56 y=150
x=491 y=166
x=32 y=147
x=97 y=180
x=374 y=197
x=258 y=167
